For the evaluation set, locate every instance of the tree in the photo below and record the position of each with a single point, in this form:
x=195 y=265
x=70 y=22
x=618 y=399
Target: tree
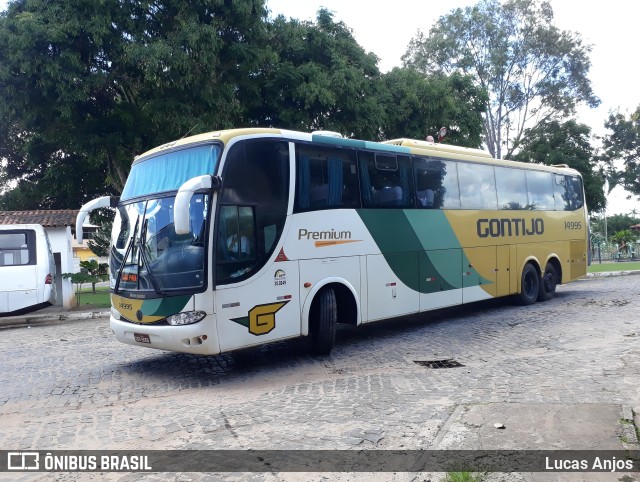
x=624 y=239
x=100 y=244
x=623 y=144
x=91 y=272
x=615 y=223
x=417 y=106
x=566 y=143
x=90 y=85
x=532 y=71
x=318 y=77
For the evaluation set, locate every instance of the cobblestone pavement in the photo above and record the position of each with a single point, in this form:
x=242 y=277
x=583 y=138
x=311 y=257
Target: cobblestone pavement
x=72 y=386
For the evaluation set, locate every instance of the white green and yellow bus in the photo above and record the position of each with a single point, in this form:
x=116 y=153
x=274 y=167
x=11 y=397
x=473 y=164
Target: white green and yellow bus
x=237 y=238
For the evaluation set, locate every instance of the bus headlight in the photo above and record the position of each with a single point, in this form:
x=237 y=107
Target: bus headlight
x=186 y=318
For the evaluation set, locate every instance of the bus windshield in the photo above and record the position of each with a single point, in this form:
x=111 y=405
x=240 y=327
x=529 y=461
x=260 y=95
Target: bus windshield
x=148 y=255
x=168 y=171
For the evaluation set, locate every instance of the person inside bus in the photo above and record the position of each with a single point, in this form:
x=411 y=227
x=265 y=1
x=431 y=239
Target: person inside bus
x=239 y=246
x=240 y=243
x=383 y=190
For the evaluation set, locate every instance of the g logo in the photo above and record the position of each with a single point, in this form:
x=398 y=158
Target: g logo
x=262 y=318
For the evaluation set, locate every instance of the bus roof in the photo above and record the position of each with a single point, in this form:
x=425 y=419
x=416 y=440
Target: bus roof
x=400 y=146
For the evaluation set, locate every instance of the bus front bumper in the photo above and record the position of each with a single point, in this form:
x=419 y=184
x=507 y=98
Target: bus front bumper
x=199 y=338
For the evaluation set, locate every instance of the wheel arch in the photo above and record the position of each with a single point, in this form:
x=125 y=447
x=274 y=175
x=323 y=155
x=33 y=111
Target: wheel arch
x=346 y=298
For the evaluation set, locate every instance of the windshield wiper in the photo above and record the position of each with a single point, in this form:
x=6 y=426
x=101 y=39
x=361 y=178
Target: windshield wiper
x=126 y=255
x=143 y=255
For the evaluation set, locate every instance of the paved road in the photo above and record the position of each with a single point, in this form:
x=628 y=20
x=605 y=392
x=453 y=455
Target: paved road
x=72 y=386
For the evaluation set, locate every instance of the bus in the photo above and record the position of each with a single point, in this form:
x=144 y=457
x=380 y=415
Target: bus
x=27 y=269
x=238 y=238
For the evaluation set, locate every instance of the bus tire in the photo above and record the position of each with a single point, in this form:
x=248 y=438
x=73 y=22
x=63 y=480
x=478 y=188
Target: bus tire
x=548 y=283
x=322 y=322
x=529 y=286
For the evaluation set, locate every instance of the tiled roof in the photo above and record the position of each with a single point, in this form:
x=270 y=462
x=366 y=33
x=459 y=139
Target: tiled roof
x=60 y=217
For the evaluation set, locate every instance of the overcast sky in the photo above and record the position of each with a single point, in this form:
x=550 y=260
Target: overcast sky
x=385 y=28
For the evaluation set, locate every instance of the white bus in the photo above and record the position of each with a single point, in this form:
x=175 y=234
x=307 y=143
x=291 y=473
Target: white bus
x=237 y=238
x=27 y=269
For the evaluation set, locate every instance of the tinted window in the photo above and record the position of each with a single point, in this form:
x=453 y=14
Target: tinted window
x=385 y=180
x=540 y=190
x=176 y=167
x=325 y=178
x=568 y=192
x=436 y=184
x=477 y=186
x=254 y=197
x=511 y=186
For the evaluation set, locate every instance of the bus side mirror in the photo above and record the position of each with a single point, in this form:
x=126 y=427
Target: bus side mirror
x=101 y=202
x=183 y=200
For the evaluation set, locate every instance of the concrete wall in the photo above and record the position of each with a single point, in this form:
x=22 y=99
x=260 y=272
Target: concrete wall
x=61 y=242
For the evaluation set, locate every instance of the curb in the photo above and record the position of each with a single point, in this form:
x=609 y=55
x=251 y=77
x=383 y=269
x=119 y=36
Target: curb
x=607 y=274
x=34 y=320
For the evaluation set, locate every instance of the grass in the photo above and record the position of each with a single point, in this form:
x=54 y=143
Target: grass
x=622 y=266
x=463 y=477
x=100 y=298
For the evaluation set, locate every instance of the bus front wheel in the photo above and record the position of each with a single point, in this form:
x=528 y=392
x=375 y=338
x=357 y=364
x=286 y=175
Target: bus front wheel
x=548 y=283
x=322 y=322
x=529 y=286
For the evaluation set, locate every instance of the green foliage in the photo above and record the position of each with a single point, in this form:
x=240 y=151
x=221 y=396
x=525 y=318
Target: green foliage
x=91 y=272
x=419 y=106
x=101 y=242
x=624 y=144
x=318 y=77
x=463 y=477
x=78 y=279
x=532 y=71
x=566 y=143
x=615 y=223
x=624 y=238
x=88 y=85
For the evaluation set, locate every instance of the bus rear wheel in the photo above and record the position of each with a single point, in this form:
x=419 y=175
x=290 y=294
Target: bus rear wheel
x=529 y=286
x=322 y=322
x=548 y=283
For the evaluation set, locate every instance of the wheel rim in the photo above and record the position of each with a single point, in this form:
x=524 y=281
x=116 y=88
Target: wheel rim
x=549 y=282
x=529 y=285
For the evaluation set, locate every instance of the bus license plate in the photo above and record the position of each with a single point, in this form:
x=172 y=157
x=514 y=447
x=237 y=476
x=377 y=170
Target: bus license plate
x=141 y=338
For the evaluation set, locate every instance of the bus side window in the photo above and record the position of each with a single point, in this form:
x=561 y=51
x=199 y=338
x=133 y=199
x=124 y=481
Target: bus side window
x=540 y=190
x=477 y=186
x=325 y=178
x=568 y=193
x=436 y=184
x=386 y=180
x=511 y=185
x=236 y=241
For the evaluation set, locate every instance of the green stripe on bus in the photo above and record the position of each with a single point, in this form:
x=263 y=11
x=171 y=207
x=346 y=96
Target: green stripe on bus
x=420 y=247
x=164 y=306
